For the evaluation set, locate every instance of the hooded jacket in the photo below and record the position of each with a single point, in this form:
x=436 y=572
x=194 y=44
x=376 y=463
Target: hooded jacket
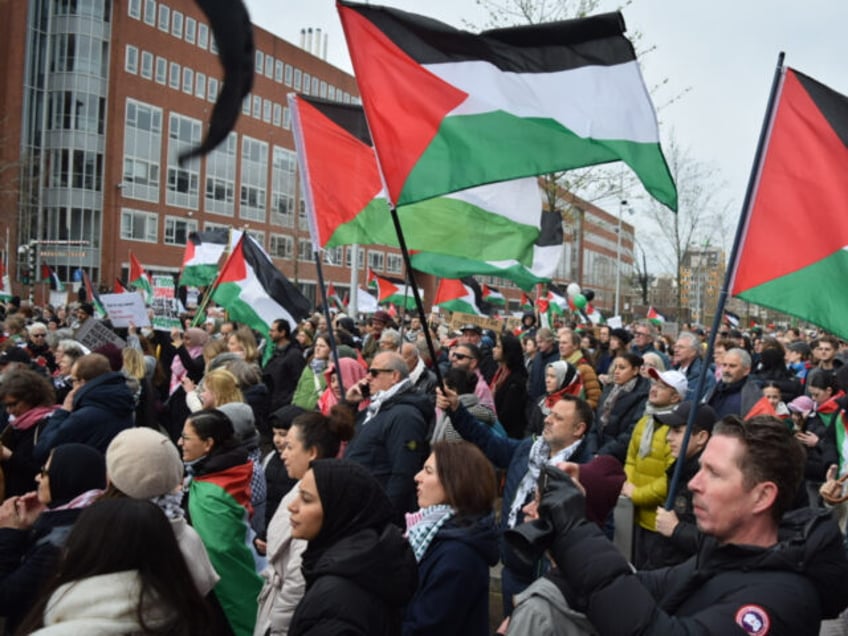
x=102 y=408
x=453 y=581
x=784 y=589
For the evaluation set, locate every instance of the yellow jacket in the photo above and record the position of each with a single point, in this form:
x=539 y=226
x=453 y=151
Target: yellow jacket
x=647 y=473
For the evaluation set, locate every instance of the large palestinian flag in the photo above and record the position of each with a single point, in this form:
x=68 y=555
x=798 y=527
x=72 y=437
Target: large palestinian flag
x=793 y=254
x=203 y=251
x=255 y=292
x=347 y=203
x=448 y=109
x=458 y=295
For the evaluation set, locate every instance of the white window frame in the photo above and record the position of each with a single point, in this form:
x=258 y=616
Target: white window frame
x=151 y=223
x=161 y=65
x=177 y=24
x=131 y=59
x=190 y=30
x=164 y=18
x=147 y=65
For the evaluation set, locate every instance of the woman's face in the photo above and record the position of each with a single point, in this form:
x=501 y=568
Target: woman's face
x=772 y=394
x=614 y=343
x=44 y=482
x=622 y=372
x=279 y=440
x=15 y=406
x=334 y=385
x=321 y=349
x=427 y=485
x=193 y=446
x=301 y=339
x=820 y=396
x=65 y=364
x=550 y=381
x=207 y=397
x=497 y=352
x=295 y=456
x=307 y=513
x=234 y=346
x=529 y=346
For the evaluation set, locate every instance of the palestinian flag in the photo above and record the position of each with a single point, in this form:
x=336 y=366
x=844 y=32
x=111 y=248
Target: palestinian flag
x=558 y=302
x=254 y=292
x=140 y=280
x=393 y=291
x=526 y=305
x=203 y=252
x=732 y=319
x=520 y=101
x=49 y=275
x=457 y=295
x=371 y=280
x=593 y=314
x=219 y=505
x=5 y=284
x=793 y=254
x=654 y=316
x=346 y=203
x=92 y=296
x=333 y=297
x=119 y=287
x=493 y=296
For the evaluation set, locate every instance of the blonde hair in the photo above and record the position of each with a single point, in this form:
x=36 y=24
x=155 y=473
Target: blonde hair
x=223 y=386
x=133 y=363
x=244 y=336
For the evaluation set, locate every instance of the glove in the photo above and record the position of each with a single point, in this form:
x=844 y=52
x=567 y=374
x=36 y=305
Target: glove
x=527 y=543
x=563 y=504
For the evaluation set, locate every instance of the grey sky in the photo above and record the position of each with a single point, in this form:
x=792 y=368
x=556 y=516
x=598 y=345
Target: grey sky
x=724 y=51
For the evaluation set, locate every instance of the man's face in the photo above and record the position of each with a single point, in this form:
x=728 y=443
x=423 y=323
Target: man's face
x=469 y=336
x=662 y=394
x=543 y=344
x=604 y=335
x=642 y=337
x=684 y=352
x=566 y=345
x=732 y=369
x=825 y=351
x=461 y=358
x=380 y=377
x=415 y=324
x=722 y=504
x=38 y=337
x=562 y=426
x=410 y=356
x=275 y=334
x=377 y=327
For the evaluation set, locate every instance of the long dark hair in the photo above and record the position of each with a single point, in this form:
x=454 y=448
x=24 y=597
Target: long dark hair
x=512 y=353
x=215 y=425
x=115 y=535
x=324 y=433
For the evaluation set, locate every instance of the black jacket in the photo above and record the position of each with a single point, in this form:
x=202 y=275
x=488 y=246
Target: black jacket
x=511 y=404
x=684 y=541
x=614 y=438
x=282 y=374
x=791 y=586
x=360 y=585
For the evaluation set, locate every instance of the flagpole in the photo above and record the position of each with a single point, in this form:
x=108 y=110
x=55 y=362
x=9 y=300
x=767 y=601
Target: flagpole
x=326 y=305
x=419 y=305
x=776 y=85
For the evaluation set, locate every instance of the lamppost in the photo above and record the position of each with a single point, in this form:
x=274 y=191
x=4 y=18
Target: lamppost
x=621 y=208
x=28 y=252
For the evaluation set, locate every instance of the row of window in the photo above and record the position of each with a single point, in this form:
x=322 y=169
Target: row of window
x=173 y=22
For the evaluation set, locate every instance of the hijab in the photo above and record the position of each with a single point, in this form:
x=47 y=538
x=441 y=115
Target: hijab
x=568 y=382
x=352 y=372
x=74 y=469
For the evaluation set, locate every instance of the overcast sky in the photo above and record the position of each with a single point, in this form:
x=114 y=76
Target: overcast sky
x=723 y=51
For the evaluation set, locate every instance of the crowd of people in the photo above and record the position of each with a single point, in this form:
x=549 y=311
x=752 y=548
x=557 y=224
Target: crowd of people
x=341 y=477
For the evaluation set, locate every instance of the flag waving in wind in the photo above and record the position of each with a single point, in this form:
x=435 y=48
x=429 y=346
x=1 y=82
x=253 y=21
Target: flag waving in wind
x=393 y=290
x=48 y=274
x=794 y=252
x=449 y=110
x=139 y=279
x=203 y=251
x=457 y=295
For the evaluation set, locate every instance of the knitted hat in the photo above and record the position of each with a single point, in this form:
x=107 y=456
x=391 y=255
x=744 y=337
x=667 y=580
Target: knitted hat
x=244 y=422
x=142 y=463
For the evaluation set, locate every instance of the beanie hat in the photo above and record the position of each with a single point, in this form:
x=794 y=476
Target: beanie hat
x=244 y=423
x=142 y=463
x=113 y=355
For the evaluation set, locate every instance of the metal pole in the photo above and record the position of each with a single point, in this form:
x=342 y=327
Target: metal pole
x=621 y=205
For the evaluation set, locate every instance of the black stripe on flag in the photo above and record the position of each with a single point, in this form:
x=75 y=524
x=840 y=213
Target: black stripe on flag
x=535 y=48
x=346 y=116
x=833 y=105
x=277 y=286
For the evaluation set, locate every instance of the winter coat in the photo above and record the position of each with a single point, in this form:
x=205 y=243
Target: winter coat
x=20 y=469
x=727 y=589
x=648 y=473
x=393 y=445
x=511 y=404
x=102 y=408
x=281 y=374
x=614 y=438
x=735 y=398
x=591 y=385
x=541 y=610
x=536 y=379
x=684 y=541
x=360 y=585
x=28 y=560
x=283 y=581
x=309 y=388
x=693 y=373
x=822 y=455
x=453 y=581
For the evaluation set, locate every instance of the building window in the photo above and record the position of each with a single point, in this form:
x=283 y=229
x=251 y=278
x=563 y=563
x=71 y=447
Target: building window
x=281 y=246
x=161 y=70
x=289 y=72
x=278 y=114
x=142 y=151
x=394 y=263
x=306 y=79
x=254 y=179
x=78 y=169
x=202 y=35
x=259 y=61
x=212 y=94
x=315 y=85
x=257 y=236
x=278 y=71
x=188 y=80
x=183 y=181
x=177 y=25
x=304 y=250
x=283 y=184
x=190 y=30
x=298 y=76
x=177 y=230
x=360 y=260
x=331 y=93
x=139 y=226
x=200 y=86
x=266 y=111
x=131 y=60
x=257 y=106
x=174 y=76
x=147 y=65
x=269 y=67
x=245 y=105
x=286 y=118
x=213 y=47
x=134 y=9
x=375 y=259
x=164 y=18
x=221 y=178
x=150 y=12
x=322 y=89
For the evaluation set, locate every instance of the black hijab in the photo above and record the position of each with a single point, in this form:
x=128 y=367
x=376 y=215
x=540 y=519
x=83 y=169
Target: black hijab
x=352 y=499
x=74 y=469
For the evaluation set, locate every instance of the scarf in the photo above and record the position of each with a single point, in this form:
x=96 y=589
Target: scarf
x=32 y=417
x=499 y=378
x=318 y=365
x=648 y=431
x=423 y=526
x=540 y=454
x=81 y=501
x=171 y=504
x=612 y=397
x=381 y=397
x=178 y=371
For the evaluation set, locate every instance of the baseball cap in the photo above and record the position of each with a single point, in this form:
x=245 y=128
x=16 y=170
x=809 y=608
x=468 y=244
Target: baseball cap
x=472 y=327
x=802 y=404
x=675 y=379
x=705 y=417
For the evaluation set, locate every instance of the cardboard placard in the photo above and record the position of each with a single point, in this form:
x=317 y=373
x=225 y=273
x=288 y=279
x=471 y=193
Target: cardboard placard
x=93 y=333
x=124 y=309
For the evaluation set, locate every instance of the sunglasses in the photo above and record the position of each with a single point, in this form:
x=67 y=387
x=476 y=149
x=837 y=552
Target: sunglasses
x=373 y=372
x=459 y=356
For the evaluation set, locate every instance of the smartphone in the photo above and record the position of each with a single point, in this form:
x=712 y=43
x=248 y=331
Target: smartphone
x=365 y=390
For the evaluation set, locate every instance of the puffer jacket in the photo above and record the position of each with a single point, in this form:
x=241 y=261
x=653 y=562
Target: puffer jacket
x=614 y=438
x=647 y=473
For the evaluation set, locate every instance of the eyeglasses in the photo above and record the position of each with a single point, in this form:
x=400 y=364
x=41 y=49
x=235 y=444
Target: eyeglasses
x=374 y=372
x=642 y=334
x=459 y=356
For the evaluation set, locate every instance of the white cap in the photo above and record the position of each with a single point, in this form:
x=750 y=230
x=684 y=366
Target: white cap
x=675 y=379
